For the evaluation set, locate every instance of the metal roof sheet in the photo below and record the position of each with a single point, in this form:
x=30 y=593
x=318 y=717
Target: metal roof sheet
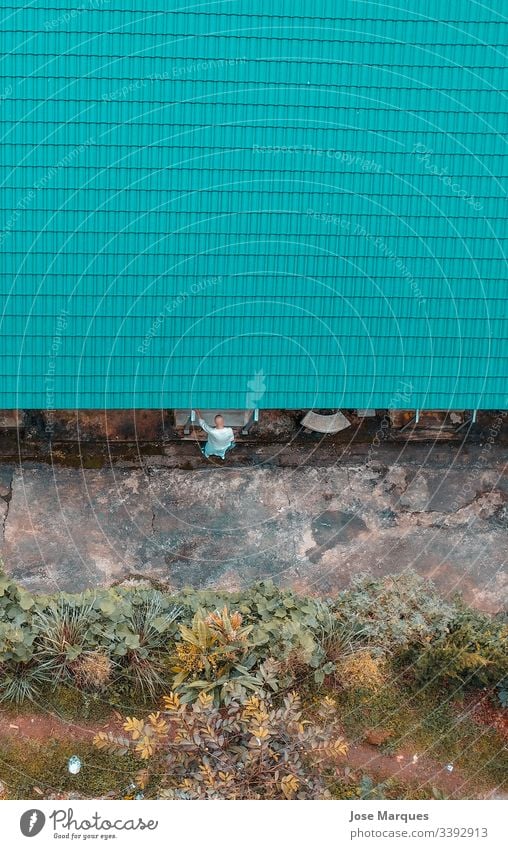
x=280 y=205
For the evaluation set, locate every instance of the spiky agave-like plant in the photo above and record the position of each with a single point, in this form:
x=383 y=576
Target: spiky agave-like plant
x=150 y=625
x=62 y=635
x=24 y=681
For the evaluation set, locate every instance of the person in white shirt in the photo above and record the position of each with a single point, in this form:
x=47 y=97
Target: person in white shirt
x=220 y=438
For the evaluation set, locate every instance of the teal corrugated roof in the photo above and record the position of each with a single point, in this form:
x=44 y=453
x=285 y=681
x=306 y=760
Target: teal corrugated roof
x=290 y=204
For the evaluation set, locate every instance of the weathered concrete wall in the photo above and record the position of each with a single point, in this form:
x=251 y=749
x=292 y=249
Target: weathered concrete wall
x=108 y=425
x=312 y=528
x=145 y=426
x=11 y=419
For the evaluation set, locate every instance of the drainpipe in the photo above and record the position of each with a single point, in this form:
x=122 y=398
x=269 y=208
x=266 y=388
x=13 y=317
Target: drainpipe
x=413 y=420
x=190 y=421
x=469 y=422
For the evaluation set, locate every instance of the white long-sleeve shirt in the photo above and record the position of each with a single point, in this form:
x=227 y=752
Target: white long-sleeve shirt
x=219 y=439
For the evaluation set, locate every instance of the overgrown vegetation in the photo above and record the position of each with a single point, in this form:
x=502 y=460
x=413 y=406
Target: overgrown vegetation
x=385 y=654
x=143 y=642
x=252 y=750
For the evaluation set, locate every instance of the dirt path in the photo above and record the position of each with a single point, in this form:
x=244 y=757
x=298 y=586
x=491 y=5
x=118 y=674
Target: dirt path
x=424 y=773
x=362 y=757
x=43 y=727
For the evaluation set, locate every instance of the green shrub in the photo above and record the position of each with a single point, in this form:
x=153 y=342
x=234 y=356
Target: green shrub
x=16 y=633
x=502 y=693
x=140 y=636
x=24 y=681
x=141 y=640
x=211 y=656
x=474 y=651
x=284 y=626
x=62 y=635
x=395 y=612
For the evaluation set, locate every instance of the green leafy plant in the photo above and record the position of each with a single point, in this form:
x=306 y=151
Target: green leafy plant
x=16 y=632
x=339 y=639
x=141 y=640
x=474 y=651
x=252 y=750
x=395 y=612
x=142 y=637
x=502 y=692
x=62 y=635
x=212 y=656
x=283 y=623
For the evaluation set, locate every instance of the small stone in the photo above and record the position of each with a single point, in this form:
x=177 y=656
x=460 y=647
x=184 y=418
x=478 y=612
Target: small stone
x=415 y=759
x=74 y=765
x=449 y=767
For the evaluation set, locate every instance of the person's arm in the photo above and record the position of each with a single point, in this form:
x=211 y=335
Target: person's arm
x=203 y=425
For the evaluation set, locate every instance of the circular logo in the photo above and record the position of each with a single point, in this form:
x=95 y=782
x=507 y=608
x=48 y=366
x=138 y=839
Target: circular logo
x=32 y=822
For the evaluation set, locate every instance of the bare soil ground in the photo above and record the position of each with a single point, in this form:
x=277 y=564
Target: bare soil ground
x=364 y=758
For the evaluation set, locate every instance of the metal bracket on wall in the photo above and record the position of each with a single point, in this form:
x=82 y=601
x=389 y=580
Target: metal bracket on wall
x=471 y=421
x=252 y=420
x=413 y=420
x=190 y=421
